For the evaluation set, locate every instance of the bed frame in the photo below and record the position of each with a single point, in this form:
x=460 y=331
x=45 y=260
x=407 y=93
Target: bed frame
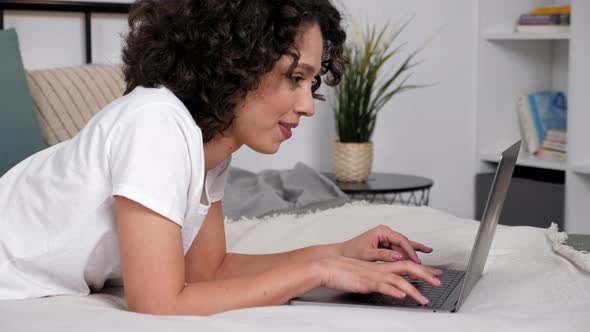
x=86 y=8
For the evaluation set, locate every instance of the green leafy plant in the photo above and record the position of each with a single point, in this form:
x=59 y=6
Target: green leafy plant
x=363 y=92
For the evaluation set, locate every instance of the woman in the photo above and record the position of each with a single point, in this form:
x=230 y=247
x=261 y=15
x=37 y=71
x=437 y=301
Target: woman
x=137 y=192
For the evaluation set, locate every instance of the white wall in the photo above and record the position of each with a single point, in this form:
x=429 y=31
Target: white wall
x=57 y=39
x=429 y=132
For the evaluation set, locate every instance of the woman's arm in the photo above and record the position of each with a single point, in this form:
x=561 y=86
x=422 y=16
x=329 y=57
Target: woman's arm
x=154 y=271
x=207 y=258
x=153 y=268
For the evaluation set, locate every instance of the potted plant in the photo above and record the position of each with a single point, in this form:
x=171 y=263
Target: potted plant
x=365 y=88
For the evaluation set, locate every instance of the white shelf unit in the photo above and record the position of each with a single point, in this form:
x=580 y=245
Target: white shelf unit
x=582 y=169
x=526 y=160
x=525 y=36
x=512 y=64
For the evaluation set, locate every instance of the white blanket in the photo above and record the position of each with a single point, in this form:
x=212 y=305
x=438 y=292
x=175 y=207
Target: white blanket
x=526 y=285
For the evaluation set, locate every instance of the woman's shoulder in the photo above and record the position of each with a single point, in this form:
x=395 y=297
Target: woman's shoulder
x=142 y=97
x=146 y=105
x=141 y=113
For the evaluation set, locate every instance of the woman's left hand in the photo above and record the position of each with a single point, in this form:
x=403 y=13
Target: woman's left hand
x=382 y=244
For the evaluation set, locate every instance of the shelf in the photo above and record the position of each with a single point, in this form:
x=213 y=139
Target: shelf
x=529 y=161
x=584 y=169
x=499 y=36
x=511 y=63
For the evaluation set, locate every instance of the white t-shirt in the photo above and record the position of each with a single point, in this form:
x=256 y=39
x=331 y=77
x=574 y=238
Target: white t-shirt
x=57 y=225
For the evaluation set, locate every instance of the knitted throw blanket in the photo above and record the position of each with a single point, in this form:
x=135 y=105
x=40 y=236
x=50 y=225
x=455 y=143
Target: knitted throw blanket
x=531 y=280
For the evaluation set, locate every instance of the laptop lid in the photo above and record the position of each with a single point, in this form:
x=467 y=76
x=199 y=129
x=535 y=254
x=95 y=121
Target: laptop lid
x=489 y=220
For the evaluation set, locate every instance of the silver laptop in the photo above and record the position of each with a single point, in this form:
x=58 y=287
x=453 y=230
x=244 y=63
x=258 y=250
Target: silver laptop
x=456 y=285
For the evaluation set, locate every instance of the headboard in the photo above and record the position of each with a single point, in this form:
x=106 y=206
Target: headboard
x=86 y=8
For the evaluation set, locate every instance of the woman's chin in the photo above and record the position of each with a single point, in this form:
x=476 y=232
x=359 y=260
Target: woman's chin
x=266 y=148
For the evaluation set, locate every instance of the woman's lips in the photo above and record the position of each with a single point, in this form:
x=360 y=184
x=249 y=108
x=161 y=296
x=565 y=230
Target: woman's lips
x=285 y=130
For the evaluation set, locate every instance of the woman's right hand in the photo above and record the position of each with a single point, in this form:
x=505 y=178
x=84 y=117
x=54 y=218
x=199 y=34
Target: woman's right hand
x=357 y=276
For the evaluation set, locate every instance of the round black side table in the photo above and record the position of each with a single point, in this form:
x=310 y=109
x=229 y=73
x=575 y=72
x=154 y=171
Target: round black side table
x=388 y=188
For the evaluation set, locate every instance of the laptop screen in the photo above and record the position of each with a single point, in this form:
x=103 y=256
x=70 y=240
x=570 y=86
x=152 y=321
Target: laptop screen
x=491 y=215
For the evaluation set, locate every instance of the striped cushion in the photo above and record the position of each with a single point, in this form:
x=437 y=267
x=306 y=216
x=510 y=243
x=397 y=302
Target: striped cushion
x=65 y=99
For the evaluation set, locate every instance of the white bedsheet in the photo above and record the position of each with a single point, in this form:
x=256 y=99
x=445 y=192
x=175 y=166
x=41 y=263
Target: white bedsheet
x=526 y=285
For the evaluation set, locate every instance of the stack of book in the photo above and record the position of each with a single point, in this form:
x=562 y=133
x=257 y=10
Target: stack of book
x=543 y=122
x=554 y=146
x=545 y=20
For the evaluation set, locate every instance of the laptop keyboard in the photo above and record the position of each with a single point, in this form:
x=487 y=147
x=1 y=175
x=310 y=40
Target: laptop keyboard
x=436 y=295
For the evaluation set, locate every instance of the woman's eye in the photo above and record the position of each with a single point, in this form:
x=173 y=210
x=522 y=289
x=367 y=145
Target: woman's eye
x=296 y=79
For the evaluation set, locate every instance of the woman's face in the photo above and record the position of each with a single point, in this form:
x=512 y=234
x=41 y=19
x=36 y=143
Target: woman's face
x=268 y=115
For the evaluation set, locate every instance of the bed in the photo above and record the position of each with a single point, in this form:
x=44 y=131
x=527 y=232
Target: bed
x=532 y=280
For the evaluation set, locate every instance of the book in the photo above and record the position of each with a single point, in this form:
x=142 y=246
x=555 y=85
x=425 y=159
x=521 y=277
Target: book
x=530 y=19
x=550 y=28
x=555 y=146
x=549 y=110
x=545 y=154
x=528 y=129
x=556 y=135
x=549 y=10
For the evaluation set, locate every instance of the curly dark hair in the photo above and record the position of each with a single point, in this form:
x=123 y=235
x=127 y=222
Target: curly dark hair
x=211 y=53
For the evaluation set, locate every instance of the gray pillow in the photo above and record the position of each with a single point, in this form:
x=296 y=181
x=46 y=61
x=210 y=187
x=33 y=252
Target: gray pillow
x=248 y=194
